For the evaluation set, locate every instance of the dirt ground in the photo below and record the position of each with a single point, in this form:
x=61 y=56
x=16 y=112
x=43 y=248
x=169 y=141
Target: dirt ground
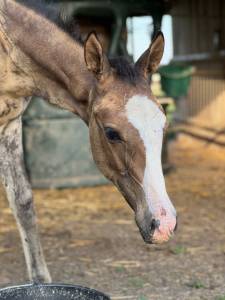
x=90 y=238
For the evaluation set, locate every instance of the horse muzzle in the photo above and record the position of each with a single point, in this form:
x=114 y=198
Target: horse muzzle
x=156 y=229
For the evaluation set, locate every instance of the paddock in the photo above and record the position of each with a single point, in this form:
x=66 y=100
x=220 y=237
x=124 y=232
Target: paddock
x=87 y=229
x=90 y=238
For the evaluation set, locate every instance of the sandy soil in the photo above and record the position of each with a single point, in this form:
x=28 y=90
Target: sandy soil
x=89 y=236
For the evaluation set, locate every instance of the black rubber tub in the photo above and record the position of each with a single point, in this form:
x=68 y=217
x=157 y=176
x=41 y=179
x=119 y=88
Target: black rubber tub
x=50 y=292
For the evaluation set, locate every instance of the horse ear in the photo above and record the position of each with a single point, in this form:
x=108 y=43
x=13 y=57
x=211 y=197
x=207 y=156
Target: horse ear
x=149 y=61
x=95 y=59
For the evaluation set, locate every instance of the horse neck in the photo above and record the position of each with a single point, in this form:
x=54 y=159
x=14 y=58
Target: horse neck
x=52 y=50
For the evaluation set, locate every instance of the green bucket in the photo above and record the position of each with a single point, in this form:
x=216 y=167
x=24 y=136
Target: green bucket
x=175 y=79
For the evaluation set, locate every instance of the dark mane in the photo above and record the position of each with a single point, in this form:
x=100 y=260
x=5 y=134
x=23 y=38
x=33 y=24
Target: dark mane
x=124 y=69
x=52 y=13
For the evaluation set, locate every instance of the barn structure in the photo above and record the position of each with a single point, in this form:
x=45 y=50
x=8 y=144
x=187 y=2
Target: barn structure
x=198 y=40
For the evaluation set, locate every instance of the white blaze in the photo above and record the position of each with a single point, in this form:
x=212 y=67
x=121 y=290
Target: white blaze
x=145 y=115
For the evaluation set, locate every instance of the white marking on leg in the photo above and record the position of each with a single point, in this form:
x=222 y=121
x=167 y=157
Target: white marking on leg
x=145 y=115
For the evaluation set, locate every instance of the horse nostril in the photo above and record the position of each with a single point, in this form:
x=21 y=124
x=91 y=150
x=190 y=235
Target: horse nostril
x=175 y=228
x=154 y=225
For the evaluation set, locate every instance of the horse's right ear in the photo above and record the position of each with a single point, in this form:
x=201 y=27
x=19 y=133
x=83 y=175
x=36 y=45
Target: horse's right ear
x=95 y=59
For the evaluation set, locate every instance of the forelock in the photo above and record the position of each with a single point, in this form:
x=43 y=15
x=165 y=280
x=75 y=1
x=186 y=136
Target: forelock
x=125 y=70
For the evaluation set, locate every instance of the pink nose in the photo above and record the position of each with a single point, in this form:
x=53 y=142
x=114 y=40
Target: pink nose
x=164 y=228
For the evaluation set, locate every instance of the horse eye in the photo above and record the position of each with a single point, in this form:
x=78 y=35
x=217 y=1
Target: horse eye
x=112 y=135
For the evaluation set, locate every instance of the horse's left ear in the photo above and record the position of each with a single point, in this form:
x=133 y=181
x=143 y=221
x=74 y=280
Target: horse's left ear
x=95 y=59
x=149 y=61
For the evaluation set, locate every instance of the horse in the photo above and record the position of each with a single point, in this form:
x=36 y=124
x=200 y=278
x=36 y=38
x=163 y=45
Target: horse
x=39 y=57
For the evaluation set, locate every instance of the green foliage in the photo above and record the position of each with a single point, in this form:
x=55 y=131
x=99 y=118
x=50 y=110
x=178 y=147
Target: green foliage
x=120 y=269
x=178 y=249
x=196 y=284
x=220 y=297
x=136 y=282
x=142 y=297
